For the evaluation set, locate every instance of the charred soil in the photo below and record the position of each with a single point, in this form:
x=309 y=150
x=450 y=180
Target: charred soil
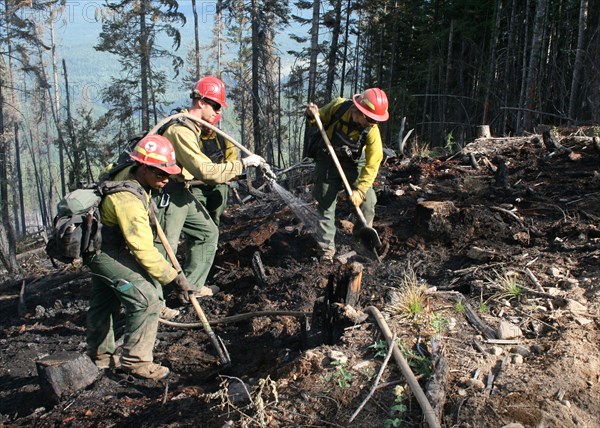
x=503 y=233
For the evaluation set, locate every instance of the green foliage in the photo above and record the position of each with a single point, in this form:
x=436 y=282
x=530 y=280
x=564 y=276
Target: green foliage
x=483 y=307
x=507 y=284
x=409 y=299
x=418 y=363
x=459 y=307
x=398 y=410
x=341 y=376
x=438 y=323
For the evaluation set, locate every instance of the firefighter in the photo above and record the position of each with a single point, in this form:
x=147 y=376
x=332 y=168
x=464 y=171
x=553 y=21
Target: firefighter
x=185 y=212
x=219 y=150
x=357 y=143
x=129 y=270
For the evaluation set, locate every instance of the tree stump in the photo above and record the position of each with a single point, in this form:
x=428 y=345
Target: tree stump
x=65 y=373
x=338 y=308
x=483 y=131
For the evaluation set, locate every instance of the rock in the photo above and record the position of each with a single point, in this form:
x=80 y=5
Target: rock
x=568 y=283
x=480 y=254
x=553 y=271
x=496 y=350
x=238 y=393
x=513 y=425
x=475 y=384
x=521 y=350
x=537 y=348
x=507 y=330
x=338 y=357
x=65 y=373
x=517 y=359
x=575 y=307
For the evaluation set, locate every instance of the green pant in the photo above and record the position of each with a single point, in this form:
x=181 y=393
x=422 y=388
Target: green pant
x=117 y=279
x=327 y=185
x=184 y=214
x=214 y=199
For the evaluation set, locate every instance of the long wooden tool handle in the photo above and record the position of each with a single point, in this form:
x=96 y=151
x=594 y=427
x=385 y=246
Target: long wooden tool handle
x=203 y=123
x=336 y=161
x=223 y=355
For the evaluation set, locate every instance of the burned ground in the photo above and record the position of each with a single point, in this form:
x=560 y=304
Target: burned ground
x=457 y=222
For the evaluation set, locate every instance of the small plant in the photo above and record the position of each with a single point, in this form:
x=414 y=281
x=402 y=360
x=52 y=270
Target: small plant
x=509 y=286
x=459 y=307
x=381 y=348
x=398 y=410
x=409 y=300
x=420 y=364
x=341 y=375
x=483 y=308
x=438 y=323
x=420 y=150
x=452 y=146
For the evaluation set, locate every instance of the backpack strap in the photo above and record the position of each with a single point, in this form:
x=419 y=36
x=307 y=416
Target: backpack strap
x=337 y=115
x=109 y=187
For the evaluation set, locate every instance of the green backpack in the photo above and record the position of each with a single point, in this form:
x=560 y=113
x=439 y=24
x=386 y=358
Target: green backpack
x=77 y=227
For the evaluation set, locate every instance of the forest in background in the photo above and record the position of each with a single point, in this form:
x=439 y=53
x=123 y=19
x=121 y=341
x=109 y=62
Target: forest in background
x=446 y=65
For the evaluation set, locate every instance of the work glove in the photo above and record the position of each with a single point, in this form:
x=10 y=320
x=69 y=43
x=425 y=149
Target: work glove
x=252 y=160
x=183 y=284
x=357 y=197
x=268 y=172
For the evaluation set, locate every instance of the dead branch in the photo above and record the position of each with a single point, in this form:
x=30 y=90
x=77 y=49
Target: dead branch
x=237 y=318
x=510 y=213
x=533 y=279
x=412 y=381
x=374 y=387
x=474 y=319
x=436 y=386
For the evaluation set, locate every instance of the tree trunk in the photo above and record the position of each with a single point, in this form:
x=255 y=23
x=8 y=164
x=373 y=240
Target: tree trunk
x=333 y=51
x=492 y=62
x=256 y=131
x=77 y=172
x=345 y=57
x=61 y=152
x=534 y=62
x=144 y=68
x=314 y=52
x=575 y=82
x=196 y=42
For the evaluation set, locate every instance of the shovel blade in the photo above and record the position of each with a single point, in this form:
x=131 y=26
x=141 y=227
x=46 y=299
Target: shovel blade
x=369 y=238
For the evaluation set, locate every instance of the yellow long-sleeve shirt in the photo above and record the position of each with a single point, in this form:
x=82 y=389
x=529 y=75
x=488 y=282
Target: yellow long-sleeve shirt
x=127 y=212
x=195 y=164
x=373 y=147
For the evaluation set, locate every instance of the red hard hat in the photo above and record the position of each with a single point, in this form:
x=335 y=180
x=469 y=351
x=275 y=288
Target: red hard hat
x=156 y=151
x=373 y=103
x=210 y=87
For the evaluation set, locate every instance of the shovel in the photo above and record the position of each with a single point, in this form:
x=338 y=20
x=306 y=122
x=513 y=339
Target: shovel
x=224 y=357
x=367 y=235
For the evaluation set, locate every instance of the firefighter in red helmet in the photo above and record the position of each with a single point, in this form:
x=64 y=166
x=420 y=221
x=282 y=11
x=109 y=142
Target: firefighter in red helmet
x=203 y=172
x=352 y=128
x=129 y=271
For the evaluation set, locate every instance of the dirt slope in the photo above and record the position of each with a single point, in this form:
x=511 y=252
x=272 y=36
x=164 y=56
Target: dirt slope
x=463 y=231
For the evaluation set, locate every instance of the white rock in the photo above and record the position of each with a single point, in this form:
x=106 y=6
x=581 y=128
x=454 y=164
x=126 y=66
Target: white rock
x=553 y=271
x=575 y=307
x=507 y=330
x=496 y=350
x=517 y=359
x=338 y=357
